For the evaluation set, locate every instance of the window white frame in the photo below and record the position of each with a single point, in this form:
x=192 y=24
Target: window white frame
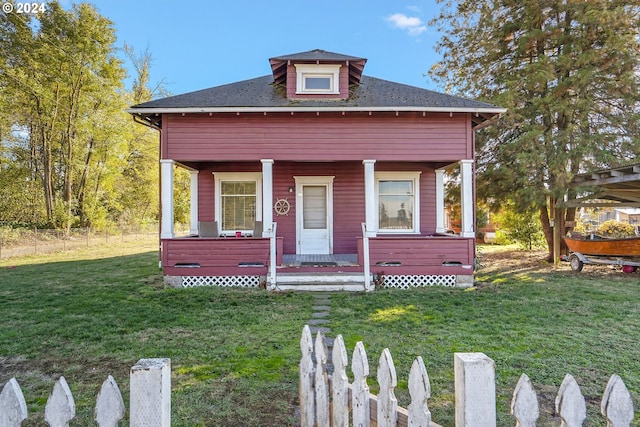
x=219 y=178
x=329 y=71
x=399 y=176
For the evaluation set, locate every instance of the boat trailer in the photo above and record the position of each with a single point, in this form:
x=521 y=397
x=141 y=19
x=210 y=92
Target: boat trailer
x=577 y=261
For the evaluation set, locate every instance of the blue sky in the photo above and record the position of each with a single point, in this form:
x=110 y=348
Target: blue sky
x=198 y=44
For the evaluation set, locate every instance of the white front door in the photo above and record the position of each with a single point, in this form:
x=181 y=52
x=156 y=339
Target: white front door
x=314 y=215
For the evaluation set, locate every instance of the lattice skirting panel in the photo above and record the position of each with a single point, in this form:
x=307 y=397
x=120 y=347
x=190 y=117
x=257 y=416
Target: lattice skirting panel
x=406 y=281
x=223 y=281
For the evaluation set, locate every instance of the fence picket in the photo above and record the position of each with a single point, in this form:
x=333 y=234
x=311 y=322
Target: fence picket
x=387 y=402
x=524 y=405
x=360 y=369
x=307 y=395
x=340 y=384
x=13 y=408
x=570 y=403
x=419 y=390
x=109 y=404
x=617 y=405
x=60 y=407
x=321 y=382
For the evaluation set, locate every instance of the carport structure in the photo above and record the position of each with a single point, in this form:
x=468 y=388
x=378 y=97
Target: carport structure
x=616 y=187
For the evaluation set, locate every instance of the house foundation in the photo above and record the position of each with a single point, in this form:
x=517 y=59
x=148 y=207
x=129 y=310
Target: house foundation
x=324 y=281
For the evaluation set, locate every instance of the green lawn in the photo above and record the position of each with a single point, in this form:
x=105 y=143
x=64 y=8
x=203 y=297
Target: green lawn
x=88 y=314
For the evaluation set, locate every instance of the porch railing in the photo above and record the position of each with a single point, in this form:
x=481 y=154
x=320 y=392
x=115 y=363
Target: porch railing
x=365 y=256
x=271 y=273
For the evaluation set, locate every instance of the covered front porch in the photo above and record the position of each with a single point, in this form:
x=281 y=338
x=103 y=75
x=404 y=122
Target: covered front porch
x=374 y=219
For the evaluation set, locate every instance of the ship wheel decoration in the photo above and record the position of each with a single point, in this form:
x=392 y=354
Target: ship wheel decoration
x=282 y=207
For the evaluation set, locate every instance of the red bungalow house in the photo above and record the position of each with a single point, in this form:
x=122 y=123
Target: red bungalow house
x=317 y=176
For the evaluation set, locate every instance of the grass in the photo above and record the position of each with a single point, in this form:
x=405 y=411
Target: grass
x=234 y=353
x=86 y=315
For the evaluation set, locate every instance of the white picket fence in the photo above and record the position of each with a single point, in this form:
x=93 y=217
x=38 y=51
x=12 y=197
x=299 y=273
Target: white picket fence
x=332 y=401
x=150 y=400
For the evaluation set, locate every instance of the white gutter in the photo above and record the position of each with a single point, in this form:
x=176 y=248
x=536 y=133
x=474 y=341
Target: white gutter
x=299 y=109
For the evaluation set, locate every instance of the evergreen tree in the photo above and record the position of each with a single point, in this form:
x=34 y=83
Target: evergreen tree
x=568 y=73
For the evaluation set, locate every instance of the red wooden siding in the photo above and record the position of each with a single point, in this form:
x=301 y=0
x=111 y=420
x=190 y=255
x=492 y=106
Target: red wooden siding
x=214 y=257
x=317 y=137
x=348 y=196
x=348 y=201
x=206 y=184
x=420 y=255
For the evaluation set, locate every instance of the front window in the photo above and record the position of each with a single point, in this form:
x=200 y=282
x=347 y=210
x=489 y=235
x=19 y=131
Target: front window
x=238 y=205
x=398 y=207
x=238 y=202
x=317 y=78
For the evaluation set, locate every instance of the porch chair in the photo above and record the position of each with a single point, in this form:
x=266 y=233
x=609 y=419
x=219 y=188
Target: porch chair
x=208 y=229
x=257 y=229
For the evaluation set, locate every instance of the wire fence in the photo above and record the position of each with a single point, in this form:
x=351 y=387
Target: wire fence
x=15 y=242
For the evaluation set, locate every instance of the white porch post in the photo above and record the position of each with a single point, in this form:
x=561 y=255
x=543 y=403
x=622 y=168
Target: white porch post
x=466 y=190
x=370 y=197
x=193 y=207
x=267 y=196
x=166 y=197
x=440 y=201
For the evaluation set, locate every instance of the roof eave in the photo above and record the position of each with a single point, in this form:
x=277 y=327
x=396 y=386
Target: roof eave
x=313 y=109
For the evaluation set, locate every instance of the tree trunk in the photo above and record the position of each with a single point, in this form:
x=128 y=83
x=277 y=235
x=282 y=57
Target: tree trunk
x=82 y=186
x=548 y=231
x=47 y=174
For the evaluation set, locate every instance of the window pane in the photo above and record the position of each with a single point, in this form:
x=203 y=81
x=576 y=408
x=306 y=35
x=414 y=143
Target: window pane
x=238 y=205
x=318 y=83
x=314 y=207
x=396 y=187
x=238 y=188
x=396 y=205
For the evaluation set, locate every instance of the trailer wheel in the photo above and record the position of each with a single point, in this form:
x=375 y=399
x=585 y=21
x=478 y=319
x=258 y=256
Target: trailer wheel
x=575 y=263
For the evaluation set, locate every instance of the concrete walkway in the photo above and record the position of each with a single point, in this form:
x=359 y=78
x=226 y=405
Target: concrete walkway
x=320 y=313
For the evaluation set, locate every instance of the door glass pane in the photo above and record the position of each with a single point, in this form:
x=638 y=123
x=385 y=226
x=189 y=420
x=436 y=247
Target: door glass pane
x=314 y=206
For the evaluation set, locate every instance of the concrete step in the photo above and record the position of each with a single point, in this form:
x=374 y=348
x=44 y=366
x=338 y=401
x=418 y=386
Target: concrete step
x=319 y=282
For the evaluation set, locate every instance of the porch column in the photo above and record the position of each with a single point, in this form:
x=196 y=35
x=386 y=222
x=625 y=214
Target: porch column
x=370 y=197
x=193 y=207
x=466 y=190
x=440 y=201
x=267 y=196
x=166 y=198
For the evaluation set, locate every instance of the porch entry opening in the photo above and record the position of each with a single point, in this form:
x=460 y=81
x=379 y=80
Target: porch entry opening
x=314 y=215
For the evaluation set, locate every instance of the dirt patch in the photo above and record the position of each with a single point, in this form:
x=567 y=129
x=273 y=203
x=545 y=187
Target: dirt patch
x=501 y=261
x=509 y=260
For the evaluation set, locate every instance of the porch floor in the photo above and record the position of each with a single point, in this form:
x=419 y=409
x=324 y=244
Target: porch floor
x=320 y=260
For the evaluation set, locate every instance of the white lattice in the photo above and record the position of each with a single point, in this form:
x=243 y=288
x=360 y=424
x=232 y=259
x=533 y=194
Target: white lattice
x=406 y=281
x=223 y=281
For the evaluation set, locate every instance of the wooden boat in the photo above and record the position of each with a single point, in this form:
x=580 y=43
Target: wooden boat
x=602 y=246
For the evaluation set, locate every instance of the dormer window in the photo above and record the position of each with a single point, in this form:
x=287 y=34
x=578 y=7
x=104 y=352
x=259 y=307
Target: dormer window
x=317 y=78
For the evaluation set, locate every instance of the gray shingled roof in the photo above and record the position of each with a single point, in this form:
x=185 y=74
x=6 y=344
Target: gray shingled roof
x=261 y=93
x=317 y=55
